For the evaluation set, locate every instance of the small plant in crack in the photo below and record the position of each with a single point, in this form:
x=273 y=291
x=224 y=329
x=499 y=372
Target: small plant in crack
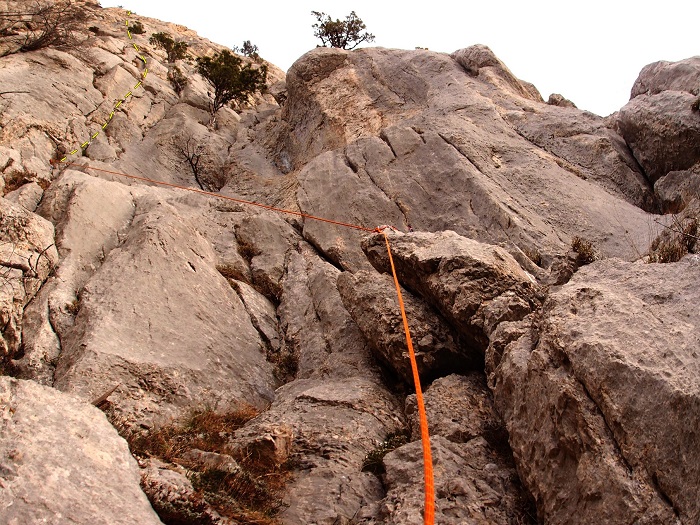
x=374 y=460
x=251 y=492
x=585 y=252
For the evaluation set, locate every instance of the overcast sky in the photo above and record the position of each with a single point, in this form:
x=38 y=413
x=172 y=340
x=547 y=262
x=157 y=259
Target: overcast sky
x=589 y=51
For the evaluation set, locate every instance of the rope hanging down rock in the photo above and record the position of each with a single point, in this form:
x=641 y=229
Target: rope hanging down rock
x=429 y=512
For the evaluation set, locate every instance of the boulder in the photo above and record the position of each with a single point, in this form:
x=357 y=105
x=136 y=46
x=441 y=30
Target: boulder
x=475 y=286
x=335 y=423
x=28 y=195
x=460 y=408
x=663 y=131
x=654 y=78
x=555 y=99
x=175 y=499
x=62 y=462
x=373 y=304
x=472 y=485
x=480 y=61
x=617 y=346
x=677 y=189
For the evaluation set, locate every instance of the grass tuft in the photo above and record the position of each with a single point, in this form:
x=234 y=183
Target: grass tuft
x=585 y=253
x=250 y=495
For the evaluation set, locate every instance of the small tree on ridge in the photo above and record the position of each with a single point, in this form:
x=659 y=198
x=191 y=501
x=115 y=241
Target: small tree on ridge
x=343 y=34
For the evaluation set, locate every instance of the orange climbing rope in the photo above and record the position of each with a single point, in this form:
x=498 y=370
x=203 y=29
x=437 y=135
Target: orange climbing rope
x=429 y=514
x=219 y=196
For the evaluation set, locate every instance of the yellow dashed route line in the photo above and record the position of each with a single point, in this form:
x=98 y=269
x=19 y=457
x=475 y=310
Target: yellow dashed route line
x=120 y=101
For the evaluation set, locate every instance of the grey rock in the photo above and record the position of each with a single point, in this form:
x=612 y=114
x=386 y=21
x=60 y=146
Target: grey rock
x=334 y=423
x=262 y=314
x=27 y=257
x=555 y=99
x=616 y=348
x=585 y=145
x=159 y=319
x=393 y=133
x=92 y=217
x=662 y=131
x=265 y=240
x=678 y=188
x=62 y=462
x=471 y=485
x=174 y=497
x=473 y=285
x=460 y=408
x=372 y=302
x=480 y=61
x=319 y=332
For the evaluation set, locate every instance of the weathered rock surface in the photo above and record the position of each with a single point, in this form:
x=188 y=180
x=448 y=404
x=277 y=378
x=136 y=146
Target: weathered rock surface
x=617 y=349
x=180 y=301
x=470 y=485
x=662 y=131
x=460 y=407
x=677 y=189
x=474 y=285
x=174 y=497
x=176 y=335
x=372 y=302
x=683 y=75
x=27 y=257
x=440 y=149
x=474 y=469
x=334 y=424
x=62 y=462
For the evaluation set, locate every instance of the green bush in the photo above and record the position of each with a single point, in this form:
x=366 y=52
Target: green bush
x=231 y=81
x=174 y=50
x=137 y=28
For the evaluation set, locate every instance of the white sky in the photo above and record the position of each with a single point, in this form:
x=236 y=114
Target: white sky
x=589 y=51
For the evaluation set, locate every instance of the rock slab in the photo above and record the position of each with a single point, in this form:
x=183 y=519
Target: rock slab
x=62 y=462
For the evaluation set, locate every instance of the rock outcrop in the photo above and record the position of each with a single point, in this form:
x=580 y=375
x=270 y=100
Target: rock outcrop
x=556 y=393
x=659 y=122
x=62 y=462
x=616 y=359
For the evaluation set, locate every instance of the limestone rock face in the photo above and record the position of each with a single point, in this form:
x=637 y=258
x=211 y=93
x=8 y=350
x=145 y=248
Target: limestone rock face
x=618 y=353
x=441 y=148
x=371 y=300
x=475 y=474
x=683 y=75
x=476 y=286
x=62 y=462
x=157 y=312
x=470 y=484
x=27 y=256
x=617 y=348
x=544 y=381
